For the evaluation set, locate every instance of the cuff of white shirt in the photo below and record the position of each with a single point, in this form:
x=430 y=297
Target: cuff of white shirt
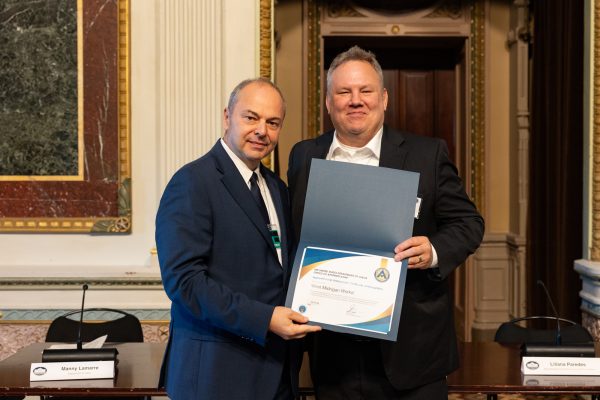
x=434 y=271
x=434 y=257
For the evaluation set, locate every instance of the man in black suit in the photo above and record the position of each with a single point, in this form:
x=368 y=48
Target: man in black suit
x=447 y=230
x=223 y=239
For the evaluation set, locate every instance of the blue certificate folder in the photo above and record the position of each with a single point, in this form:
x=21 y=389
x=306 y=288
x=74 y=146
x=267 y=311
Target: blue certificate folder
x=350 y=210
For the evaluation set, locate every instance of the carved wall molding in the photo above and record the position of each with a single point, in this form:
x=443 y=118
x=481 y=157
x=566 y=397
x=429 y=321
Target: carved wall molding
x=266 y=39
x=595 y=140
x=452 y=9
x=312 y=16
x=44 y=315
x=448 y=11
x=342 y=8
x=498 y=277
x=77 y=283
x=477 y=103
x=266 y=50
x=517 y=275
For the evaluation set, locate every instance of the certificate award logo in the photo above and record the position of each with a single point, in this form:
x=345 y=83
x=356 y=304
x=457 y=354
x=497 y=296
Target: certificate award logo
x=382 y=274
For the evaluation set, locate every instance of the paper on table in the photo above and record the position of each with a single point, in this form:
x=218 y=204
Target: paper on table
x=94 y=344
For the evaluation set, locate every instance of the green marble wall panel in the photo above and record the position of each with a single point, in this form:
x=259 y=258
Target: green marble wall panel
x=38 y=87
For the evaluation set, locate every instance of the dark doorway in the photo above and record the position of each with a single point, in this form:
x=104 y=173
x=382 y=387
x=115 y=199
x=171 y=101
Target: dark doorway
x=421 y=79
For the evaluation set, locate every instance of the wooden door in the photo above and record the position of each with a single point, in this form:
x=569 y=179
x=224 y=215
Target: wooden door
x=422 y=102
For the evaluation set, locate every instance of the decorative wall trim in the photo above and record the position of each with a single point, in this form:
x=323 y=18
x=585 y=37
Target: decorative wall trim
x=452 y=9
x=312 y=16
x=518 y=41
x=266 y=44
x=589 y=270
x=477 y=95
x=517 y=275
x=595 y=140
x=341 y=8
x=77 y=282
x=497 y=277
x=266 y=39
x=43 y=316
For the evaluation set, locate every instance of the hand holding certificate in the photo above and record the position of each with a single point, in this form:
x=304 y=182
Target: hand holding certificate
x=345 y=277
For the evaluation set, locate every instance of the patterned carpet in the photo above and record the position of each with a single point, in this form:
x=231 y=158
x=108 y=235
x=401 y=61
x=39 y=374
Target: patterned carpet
x=508 y=397
x=518 y=397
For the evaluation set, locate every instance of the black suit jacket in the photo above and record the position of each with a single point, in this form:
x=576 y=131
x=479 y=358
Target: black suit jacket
x=425 y=350
x=221 y=271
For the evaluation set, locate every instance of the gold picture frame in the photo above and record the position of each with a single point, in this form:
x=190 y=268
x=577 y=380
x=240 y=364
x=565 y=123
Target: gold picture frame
x=98 y=198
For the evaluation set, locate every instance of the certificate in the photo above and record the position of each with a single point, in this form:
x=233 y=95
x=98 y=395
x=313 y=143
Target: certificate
x=344 y=276
x=348 y=289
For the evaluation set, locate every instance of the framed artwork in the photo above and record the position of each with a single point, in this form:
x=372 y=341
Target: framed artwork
x=65 y=116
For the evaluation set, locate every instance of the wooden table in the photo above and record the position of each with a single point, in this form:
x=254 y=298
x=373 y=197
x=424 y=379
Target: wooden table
x=137 y=374
x=485 y=368
x=491 y=368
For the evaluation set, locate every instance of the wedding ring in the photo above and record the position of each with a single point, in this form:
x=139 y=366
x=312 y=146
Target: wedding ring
x=420 y=259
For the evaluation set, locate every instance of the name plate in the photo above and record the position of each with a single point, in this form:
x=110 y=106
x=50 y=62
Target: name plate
x=584 y=366
x=63 y=371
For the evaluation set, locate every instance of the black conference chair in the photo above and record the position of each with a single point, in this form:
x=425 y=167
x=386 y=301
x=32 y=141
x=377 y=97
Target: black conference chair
x=571 y=332
x=125 y=328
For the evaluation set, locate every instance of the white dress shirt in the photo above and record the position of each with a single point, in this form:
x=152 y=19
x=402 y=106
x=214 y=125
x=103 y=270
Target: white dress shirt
x=262 y=184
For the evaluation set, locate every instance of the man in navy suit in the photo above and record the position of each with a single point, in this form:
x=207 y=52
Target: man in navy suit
x=447 y=230
x=224 y=241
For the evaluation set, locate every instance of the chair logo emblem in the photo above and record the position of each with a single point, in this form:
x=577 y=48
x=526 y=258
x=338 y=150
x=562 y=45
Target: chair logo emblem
x=532 y=365
x=39 y=371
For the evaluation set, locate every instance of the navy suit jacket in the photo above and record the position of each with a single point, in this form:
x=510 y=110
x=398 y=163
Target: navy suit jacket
x=221 y=271
x=425 y=350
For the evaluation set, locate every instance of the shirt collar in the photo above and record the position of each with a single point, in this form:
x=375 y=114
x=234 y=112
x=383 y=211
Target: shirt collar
x=374 y=145
x=240 y=165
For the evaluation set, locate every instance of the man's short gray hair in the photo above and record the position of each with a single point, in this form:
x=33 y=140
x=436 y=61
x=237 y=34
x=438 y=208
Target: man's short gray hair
x=233 y=97
x=354 y=53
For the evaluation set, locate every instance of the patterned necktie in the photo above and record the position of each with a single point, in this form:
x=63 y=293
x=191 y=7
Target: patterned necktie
x=255 y=190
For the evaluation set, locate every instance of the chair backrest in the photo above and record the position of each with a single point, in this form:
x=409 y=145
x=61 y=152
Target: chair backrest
x=126 y=328
x=512 y=333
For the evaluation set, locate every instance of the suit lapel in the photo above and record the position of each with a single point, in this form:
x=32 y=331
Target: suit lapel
x=234 y=183
x=322 y=144
x=393 y=154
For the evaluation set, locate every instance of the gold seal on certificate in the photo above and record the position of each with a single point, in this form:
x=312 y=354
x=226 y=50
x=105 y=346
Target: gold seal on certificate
x=347 y=289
